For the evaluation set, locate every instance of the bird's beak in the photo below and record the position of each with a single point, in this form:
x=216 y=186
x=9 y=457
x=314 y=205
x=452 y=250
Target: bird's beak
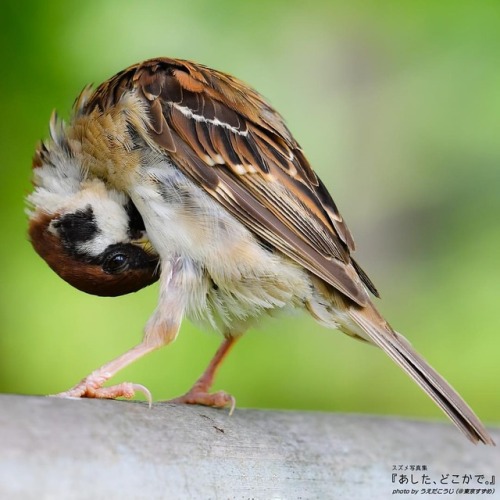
x=144 y=243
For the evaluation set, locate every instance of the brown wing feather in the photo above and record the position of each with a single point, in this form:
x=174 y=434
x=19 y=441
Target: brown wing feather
x=226 y=137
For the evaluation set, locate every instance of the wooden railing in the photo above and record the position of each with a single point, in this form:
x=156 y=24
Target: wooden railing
x=52 y=448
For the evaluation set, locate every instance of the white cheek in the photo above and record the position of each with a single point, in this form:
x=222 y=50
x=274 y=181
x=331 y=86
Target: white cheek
x=108 y=211
x=96 y=246
x=112 y=221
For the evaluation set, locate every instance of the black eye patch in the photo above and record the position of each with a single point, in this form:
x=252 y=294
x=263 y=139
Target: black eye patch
x=77 y=227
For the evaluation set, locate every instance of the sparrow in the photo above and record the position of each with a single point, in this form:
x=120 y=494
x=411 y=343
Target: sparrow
x=242 y=225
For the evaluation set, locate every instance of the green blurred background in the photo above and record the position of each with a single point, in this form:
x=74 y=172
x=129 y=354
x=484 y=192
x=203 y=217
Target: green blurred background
x=397 y=106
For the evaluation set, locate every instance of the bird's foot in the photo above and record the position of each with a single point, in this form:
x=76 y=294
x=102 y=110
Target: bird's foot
x=198 y=396
x=92 y=387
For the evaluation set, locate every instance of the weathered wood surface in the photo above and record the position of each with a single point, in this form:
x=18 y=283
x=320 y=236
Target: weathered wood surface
x=84 y=449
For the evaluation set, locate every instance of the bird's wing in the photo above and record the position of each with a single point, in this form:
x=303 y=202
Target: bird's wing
x=231 y=142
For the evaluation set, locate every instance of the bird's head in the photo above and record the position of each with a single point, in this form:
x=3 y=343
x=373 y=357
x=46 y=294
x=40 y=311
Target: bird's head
x=92 y=236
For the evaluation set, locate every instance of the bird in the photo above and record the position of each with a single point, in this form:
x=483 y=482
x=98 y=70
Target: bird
x=241 y=224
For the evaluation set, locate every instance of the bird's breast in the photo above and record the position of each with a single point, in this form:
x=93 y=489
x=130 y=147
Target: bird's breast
x=230 y=277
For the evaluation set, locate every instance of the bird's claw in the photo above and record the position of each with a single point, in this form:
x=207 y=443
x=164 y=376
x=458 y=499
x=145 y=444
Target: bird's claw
x=91 y=387
x=218 y=399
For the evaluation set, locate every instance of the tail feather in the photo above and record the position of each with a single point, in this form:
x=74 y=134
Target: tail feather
x=400 y=350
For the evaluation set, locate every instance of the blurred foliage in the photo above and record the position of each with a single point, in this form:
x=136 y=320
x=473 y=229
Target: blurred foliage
x=397 y=106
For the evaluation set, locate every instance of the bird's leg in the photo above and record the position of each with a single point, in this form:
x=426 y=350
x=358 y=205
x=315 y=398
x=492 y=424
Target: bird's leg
x=161 y=329
x=92 y=385
x=199 y=393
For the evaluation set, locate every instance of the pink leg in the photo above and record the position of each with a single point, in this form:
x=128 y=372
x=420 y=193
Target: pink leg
x=199 y=395
x=91 y=386
x=161 y=329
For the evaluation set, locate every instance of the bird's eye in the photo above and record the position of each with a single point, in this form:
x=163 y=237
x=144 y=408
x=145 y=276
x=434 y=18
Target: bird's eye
x=115 y=263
